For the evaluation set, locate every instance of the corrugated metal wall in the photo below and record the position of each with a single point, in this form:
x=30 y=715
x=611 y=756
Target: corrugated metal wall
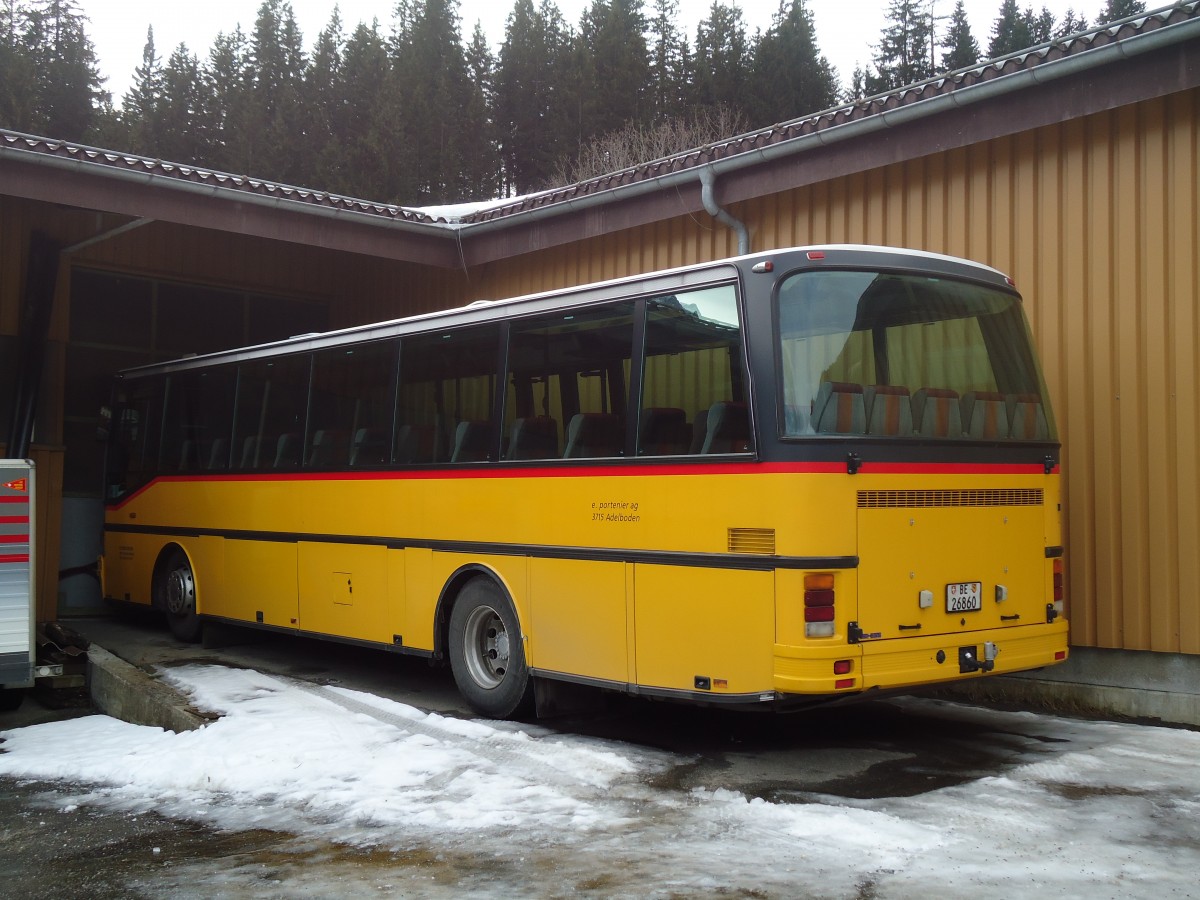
x=1097 y=220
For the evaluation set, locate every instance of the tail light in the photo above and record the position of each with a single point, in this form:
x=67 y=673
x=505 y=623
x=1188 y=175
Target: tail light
x=818 y=605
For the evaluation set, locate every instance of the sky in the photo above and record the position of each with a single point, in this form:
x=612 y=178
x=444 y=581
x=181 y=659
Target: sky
x=1084 y=809
x=846 y=29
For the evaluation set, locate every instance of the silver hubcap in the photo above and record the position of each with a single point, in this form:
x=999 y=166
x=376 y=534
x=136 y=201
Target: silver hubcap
x=181 y=592
x=486 y=647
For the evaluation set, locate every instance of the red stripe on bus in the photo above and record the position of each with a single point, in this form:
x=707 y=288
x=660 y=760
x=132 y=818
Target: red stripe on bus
x=14 y=539
x=17 y=558
x=608 y=471
x=14 y=520
x=14 y=498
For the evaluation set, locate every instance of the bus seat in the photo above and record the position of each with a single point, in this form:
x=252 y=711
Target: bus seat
x=699 y=431
x=414 y=444
x=936 y=413
x=593 y=435
x=1027 y=417
x=533 y=437
x=663 y=431
x=840 y=408
x=728 y=428
x=250 y=452
x=218 y=454
x=369 y=447
x=287 y=450
x=189 y=456
x=471 y=441
x=889 y=409
x=328 y=448
x=985 y=415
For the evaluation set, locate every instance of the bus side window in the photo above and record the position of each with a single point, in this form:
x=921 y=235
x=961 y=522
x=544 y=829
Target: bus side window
x=272 y=399
x=567 y=384
x=351 y=401
x=693 y=361
x=446 y=396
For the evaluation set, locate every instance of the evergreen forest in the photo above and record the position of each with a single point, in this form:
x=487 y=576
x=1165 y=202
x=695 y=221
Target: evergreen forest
x=415 y=112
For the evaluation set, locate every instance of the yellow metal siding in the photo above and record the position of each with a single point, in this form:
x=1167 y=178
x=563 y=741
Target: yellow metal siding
x=1096 y=219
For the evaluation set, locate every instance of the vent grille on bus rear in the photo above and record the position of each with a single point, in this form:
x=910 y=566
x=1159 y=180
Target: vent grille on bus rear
x=752 y=540
x=917 y=499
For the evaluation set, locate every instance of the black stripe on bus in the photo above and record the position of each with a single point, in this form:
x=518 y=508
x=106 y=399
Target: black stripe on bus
x=545 y=551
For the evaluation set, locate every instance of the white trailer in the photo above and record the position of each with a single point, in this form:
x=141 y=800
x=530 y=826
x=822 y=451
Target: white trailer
x=18 y=564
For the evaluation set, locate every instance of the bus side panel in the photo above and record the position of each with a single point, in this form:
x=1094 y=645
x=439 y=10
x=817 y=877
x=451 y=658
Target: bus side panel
x=428 y=573
x=578 y=621
x=263 y=575
x=420 y=599
x=344 y=590
x=129 y=565
x=696 y=623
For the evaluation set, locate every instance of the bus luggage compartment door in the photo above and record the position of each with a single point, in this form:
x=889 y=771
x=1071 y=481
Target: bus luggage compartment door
x=951 y=569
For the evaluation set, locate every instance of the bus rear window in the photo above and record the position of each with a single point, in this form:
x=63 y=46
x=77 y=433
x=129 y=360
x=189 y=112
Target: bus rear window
x=906 y=356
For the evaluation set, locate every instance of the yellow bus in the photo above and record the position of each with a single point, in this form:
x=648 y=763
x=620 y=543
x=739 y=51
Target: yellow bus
x=777 y=480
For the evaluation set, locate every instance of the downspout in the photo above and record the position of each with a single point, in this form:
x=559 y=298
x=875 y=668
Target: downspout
x=708 y=197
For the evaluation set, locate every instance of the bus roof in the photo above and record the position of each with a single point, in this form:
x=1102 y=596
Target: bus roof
x=679 y=278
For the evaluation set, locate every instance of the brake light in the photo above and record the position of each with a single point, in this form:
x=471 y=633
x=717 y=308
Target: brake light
x=818 y=605
x=843 y=667
x=1058 y=580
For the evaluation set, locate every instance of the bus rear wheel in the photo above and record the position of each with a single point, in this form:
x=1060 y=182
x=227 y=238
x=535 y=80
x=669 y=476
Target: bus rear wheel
x=487 y=655
x=178 y=598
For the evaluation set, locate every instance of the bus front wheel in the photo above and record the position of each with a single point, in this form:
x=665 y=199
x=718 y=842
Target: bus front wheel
x=178 y=598
x=487 y=655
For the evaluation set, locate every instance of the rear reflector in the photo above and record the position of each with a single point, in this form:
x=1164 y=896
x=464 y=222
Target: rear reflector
x=843 y=683
x=818 y=614
x=843 y=666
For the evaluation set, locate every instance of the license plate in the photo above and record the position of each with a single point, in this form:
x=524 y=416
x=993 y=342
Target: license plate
x=964 y=596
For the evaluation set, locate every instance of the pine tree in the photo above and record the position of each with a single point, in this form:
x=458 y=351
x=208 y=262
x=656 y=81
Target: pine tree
x=1041 y=26
x=227 y=109
x=961 y=48
x=1010 y=33
x=321 y=96
x=374 y=157
x=277 y=68
x=18 y=72
x=905 y=53
x=534 y=95
x=481 y=168
x=1071 y=24
x=140 y=105
x=69 y=90
x=1114 y=10
x=181 y=137
x=669 y=54
x=722 y=62
x=791 y=77
x=434 y=85
x=616 y=66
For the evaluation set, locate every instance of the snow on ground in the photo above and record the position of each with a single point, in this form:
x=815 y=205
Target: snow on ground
x=1098 y=810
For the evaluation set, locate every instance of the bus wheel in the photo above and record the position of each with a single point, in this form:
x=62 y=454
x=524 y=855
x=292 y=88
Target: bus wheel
x=10 y=699
x=179 y=598
x=486 y=652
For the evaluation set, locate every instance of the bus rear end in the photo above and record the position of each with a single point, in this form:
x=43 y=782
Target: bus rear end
x=919 y=469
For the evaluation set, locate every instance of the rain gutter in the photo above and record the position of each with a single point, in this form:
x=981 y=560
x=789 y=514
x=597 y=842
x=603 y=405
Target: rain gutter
x=714 y=209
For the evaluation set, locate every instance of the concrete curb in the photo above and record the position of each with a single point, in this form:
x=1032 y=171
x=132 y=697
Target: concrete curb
x=125 y=692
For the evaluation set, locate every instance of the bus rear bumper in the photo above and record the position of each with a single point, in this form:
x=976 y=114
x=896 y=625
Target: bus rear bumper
x=911 y=662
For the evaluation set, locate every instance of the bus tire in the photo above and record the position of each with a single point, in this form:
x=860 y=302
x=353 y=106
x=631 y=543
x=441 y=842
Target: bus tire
x=487 y=655
x=178 y=598
x=10 y=699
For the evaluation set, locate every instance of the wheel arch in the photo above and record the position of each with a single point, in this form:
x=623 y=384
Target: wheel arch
x=450 y=593
x=159 y=574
